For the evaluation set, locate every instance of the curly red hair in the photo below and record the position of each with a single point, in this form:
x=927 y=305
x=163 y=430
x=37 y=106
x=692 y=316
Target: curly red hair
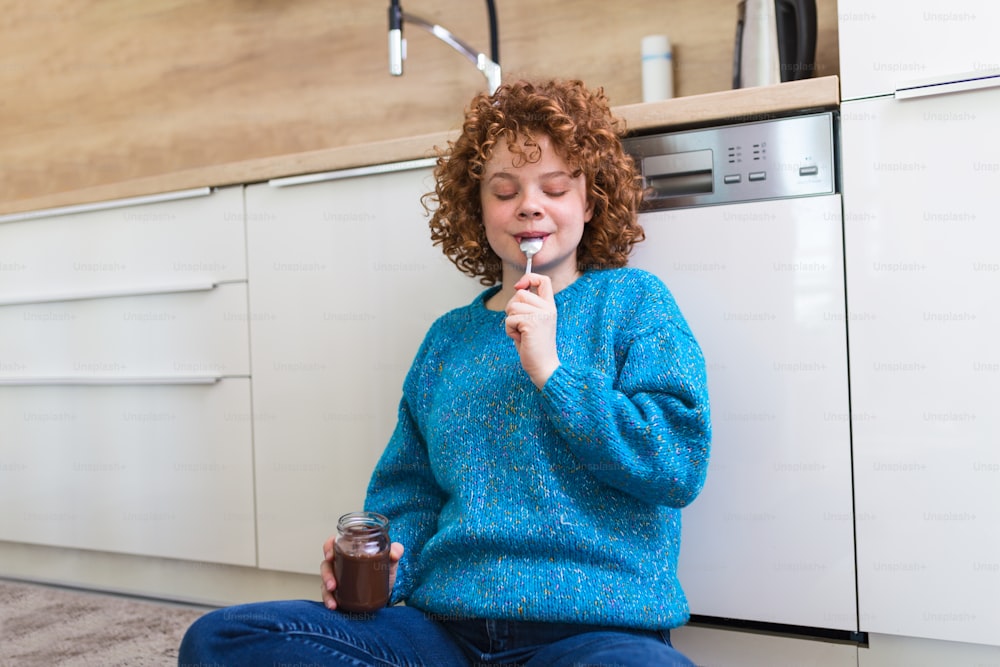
x=586 y=136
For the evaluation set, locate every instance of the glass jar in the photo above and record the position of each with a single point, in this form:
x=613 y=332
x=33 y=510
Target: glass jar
x=361 y=562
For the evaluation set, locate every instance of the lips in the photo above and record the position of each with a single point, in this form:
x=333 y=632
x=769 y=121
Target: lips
x=531 y=235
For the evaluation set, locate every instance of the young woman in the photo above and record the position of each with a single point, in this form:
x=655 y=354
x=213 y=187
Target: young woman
x=548 y=434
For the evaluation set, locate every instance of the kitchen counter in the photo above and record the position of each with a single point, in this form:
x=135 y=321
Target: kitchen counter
x=731 y=106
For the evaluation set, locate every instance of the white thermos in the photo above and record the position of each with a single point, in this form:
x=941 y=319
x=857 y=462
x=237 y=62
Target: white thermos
x=759 y=63
x=657 y=68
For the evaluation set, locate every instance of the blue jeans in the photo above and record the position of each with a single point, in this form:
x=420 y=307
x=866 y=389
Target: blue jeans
x=300 y=633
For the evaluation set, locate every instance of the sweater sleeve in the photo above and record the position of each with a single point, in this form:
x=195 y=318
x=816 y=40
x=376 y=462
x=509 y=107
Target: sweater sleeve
x=403 y=488
x=646 y=432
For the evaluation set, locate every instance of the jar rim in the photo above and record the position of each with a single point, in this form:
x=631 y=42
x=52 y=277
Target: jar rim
x=363 y=521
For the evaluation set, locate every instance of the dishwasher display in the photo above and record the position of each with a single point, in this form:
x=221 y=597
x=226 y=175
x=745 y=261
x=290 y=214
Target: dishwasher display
x=789 y=157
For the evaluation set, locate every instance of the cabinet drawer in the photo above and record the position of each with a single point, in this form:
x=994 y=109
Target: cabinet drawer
x=155 y=337
x=161 y=471
x=882 y=48
x=137 y=248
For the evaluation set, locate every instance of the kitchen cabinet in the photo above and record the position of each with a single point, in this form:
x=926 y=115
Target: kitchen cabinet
x=155 y=470
x=344 y=284
x=923 y=281
x=886 y=44
x=919 y=166
x=124 y=380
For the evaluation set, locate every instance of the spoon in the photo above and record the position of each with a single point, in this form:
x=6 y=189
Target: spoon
x=530 y=247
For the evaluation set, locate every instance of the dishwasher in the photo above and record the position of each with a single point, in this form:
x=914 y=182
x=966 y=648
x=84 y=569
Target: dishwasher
x=743 y=223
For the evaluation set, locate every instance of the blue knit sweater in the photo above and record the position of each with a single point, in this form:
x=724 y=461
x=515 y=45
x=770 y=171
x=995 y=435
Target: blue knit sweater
x=560 y=504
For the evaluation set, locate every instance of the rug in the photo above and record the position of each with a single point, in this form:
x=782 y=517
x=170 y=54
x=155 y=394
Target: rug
x=47 y=625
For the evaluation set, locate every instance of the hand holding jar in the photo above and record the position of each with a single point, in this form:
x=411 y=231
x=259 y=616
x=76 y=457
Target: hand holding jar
x=359 y=564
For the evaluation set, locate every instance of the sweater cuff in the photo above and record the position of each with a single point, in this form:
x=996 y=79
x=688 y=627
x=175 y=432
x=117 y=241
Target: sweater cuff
x=566 y=384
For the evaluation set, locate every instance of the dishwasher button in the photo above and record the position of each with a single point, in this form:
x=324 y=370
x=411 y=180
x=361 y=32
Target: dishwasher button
x=732 y=179
x=758 y=176
x=808 y=171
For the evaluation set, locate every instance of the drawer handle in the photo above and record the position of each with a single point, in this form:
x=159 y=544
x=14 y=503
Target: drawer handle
x=109 y=294
x=354 y=172
x=958 y=83
x=107 y=205
x=112 y=380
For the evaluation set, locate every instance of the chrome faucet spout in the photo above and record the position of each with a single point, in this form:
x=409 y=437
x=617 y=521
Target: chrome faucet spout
x=397 y=47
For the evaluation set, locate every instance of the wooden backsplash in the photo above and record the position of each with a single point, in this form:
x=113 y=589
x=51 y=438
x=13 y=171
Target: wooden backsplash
x=101 y=91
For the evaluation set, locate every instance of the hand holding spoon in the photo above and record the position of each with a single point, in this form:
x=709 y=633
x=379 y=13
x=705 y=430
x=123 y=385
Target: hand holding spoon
x=530 y=247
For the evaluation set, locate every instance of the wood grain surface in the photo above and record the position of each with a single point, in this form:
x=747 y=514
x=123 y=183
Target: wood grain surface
x=97 y=92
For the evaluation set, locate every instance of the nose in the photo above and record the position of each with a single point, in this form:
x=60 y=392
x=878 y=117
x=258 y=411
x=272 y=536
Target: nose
x=529 y=210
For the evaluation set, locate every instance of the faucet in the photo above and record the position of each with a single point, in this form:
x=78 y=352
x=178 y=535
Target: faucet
x=490 y=68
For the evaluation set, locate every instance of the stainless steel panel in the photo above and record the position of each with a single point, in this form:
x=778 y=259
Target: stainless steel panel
x=786 y=157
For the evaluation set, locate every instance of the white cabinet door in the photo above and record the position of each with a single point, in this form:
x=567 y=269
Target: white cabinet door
x=923 y=275
x=165 y=246
x=886 y=43
x=164 y=471
x=344 y=283
x=106 y=318
x=161 y=336
x=771 y=536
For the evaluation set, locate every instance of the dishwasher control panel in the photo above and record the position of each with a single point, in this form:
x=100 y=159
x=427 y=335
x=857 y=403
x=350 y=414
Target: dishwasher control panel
x=784 y=157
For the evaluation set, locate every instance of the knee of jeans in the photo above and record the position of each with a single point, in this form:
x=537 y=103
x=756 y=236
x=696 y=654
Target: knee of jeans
x=256 y=616
x=228 y=622
x=199 y=637
x=213 y=630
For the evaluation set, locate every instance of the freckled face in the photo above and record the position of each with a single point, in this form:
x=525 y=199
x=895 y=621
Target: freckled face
x=543 y=199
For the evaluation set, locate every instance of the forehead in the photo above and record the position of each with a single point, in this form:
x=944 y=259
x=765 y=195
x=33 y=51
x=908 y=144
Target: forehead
x=525 y=152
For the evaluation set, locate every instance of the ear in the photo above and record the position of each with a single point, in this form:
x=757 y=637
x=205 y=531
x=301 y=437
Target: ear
x=588 y=213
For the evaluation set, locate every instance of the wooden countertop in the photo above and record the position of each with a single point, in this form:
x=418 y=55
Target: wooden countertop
x=731 y=106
